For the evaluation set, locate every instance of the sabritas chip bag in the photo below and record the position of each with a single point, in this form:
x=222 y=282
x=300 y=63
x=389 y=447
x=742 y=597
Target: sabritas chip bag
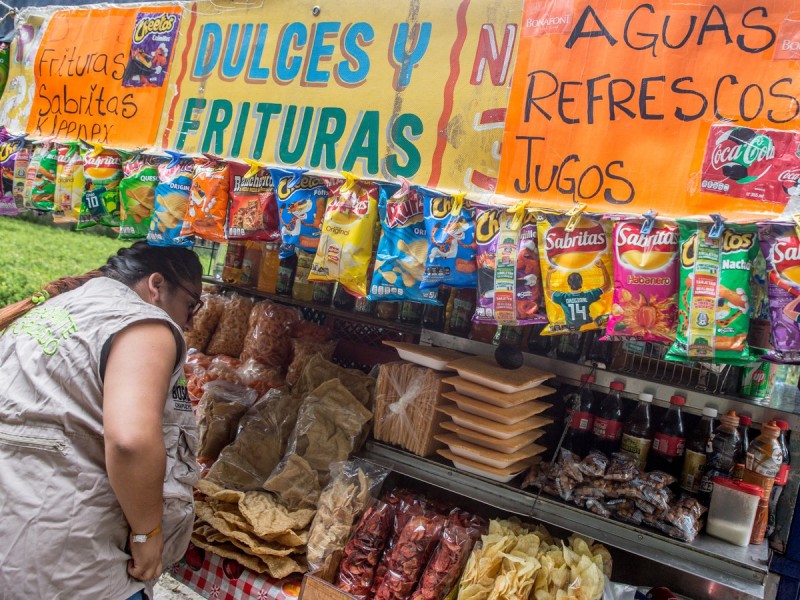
x=450 y=224
x=645 y=281
x=69 y=183
x=301 y=205
x=41 y=180
x=137 y=194
x=781 y=246
x=345 y=245
x=253 y=212
x=576 y=267
x=172 y=198
x=102 y=171
x=403 y=247
x=714 y=301
x=208 y=201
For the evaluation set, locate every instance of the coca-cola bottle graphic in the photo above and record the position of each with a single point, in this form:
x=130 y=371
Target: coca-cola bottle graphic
x=580 y=403
x=607 y=430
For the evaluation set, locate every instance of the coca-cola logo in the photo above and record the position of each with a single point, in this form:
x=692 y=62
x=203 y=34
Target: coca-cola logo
x=399 y=212
x=791 y=176
x=742 y=154
x=588 y=237
x=785 y=253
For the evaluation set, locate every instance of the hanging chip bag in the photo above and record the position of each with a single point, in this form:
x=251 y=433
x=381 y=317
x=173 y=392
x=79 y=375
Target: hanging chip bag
x=208 y=201
x=714 y=302
x=9 y=149
x=576 y=267
x=253 y=213
x=21 y=162
x=102 y=171
x=645 y=281
x=41 y=180
x=69 y=183
x=781 y=247
x=403 y=247
x=301 y=207
x=172 y=199
x=345 y=245
x=137 y=194
x=509 y=282
x=450 y=224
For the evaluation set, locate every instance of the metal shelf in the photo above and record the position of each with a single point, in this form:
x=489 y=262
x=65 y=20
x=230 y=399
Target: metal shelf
x=743 y=570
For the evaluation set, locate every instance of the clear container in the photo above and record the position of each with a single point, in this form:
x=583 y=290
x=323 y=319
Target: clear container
x=733 y=510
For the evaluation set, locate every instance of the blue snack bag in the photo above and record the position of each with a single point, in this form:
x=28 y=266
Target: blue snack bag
x=403 y=248
x=450 y=224
x=301 y=207
x=171 y=200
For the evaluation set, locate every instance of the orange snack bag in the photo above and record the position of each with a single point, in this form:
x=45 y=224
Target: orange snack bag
x=208 y=201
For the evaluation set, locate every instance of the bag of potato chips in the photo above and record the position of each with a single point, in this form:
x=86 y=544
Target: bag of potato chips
x=301 y=204
x=576 y=267
x=137 y=193
x=403 y=247
x=21 y=161
x=172 y=198
x=509 y=282
x=102 y=171
x=780 y=244
x=69 y=183
x=714 y=301
x=208 y=201
x=645 y=281
x=10 y=147
x=40 y=185
x=450 y=224
x=345 y=245
x=253 y=212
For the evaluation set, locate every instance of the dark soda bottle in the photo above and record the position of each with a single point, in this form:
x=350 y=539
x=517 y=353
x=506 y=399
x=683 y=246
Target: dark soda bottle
x=463 y=305
x=569 y=346
x=637 y=434
x=607 y=428
x=342 y=299
x=435 y=315
x=286 y=271
x=411 y=312
x=323 y=293
x=598 y=352
x=744 y=437
x=580 y=404
x=669 y=441
x=721 y=460
x=698 y=444
x=538 y=343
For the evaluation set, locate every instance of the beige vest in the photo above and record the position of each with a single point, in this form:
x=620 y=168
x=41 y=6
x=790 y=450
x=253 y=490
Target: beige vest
x=62 y=532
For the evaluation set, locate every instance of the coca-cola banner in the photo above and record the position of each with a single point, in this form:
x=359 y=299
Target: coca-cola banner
x=685 y=108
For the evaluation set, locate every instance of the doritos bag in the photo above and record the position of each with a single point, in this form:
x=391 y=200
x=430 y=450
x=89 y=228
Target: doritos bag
x=576 y=267
x=253 y=212
x=208 y=201
x=714 y=302
x=102 y=171
x=645 y=281
x=172 y=199
x=9 y=148
x=450 y=225
x=345 y=245
x=69 y=183
x=137 y=194
x=403 y=247
x=781 y=247
x=41 y=180
x=301 y=204
x=509 y=282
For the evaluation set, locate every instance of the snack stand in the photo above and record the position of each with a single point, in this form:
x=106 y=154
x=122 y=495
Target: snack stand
x=291 y=139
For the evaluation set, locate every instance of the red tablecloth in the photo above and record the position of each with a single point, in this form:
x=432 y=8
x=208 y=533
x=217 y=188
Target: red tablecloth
x=224 y=579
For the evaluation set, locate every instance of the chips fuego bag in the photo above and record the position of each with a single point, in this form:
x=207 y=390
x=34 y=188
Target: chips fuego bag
x=576 y=267
x=450 y=225
x=645 y=281
x=509 y=282
x=714 y=301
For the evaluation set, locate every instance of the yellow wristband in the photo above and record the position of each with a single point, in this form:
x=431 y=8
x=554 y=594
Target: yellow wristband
x=141 y=538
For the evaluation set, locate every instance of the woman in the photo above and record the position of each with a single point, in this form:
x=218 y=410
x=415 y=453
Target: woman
x=97 y=437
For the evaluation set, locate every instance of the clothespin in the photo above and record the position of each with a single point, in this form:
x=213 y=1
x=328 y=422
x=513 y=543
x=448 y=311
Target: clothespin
x=405 y=188
x=518 y=210
x=349 y=182
x=649 y=221
x=796 y=219
x=717 y=228
x=98 y=148
x=174 y=157
x=297 y=176
x=574 y=215
x=458 y=204
x=254 y=167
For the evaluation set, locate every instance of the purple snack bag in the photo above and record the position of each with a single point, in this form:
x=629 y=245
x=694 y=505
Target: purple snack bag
x=9 y=146
x=781 y=247
x=151 y=49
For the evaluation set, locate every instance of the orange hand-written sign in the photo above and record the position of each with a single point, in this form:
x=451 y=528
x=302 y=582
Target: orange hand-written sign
x=612 y=103
x=79 y=71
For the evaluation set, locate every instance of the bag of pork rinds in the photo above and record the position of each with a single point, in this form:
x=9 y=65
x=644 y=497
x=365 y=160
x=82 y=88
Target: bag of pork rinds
x=208 y=201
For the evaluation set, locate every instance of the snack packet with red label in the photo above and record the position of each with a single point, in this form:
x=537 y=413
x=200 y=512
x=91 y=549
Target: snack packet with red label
x=345 y=245
x=576 y=267
x=780 y=244
x=208 y=201
x=645 y=281
x=253 y=213
x=714 y=301
x=509 y=282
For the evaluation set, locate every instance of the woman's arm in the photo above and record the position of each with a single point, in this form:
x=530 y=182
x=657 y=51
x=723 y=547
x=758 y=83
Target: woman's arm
x=136 y=384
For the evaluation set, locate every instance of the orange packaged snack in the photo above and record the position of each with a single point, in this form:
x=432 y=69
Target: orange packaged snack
x=208 y=201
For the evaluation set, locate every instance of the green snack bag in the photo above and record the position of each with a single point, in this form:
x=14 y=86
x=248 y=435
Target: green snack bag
x=714 y=304
x=4 y=58
x=102 y=171
x=137 y=192
x=42 y=176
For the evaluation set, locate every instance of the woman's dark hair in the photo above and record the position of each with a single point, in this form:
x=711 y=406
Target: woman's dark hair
x=128 y=266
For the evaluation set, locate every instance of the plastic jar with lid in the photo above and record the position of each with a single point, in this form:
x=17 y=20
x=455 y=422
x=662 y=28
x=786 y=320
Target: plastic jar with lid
x=733 y=510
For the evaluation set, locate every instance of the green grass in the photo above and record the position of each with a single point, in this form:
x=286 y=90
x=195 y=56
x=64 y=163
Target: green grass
x=32 y=255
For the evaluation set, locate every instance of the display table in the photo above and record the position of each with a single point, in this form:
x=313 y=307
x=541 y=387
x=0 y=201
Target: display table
x=223 y=579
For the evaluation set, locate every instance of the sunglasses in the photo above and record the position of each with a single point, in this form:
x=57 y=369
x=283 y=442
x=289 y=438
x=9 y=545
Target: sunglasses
x=198 y=301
